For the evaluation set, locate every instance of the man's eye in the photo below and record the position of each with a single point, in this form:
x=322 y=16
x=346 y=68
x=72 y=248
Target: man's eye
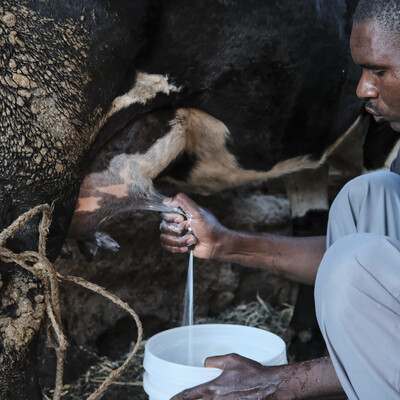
x=379 y=72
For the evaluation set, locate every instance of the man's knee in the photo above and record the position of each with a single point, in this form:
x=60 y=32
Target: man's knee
x=374 y=180
x=357 y=294
x=369 y=203
x=354 y=264
x=358 y=188
x=339 y=267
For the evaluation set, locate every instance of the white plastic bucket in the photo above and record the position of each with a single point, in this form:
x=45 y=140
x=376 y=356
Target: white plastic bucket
x=166 y=355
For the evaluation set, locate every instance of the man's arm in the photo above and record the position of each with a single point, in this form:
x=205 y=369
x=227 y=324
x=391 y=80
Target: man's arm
x=244 y=378
x=294 y=258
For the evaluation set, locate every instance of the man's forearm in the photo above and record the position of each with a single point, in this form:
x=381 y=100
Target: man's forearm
x=294 y=258
x=315 y=379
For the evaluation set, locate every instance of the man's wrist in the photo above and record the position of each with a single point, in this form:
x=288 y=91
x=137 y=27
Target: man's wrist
x=224 y=244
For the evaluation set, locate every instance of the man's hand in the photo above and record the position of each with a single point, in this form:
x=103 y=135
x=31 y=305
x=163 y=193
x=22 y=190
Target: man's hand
x=241 y=378
x=295 y=258
x=206 y=232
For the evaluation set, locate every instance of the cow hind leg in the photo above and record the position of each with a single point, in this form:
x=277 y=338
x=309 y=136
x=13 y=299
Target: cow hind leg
x=308 y=194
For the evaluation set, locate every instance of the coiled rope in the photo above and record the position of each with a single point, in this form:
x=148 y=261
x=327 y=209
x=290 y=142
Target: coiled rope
x=40 y=266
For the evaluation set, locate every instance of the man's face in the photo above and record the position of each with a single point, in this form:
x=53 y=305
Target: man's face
x=374 y=50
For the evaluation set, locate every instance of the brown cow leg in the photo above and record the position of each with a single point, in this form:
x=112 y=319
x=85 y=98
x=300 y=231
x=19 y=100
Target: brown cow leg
x=308 y=342
x=22 y=312
x=308 y=194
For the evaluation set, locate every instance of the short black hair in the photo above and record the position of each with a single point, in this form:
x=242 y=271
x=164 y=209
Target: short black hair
x=385 y=12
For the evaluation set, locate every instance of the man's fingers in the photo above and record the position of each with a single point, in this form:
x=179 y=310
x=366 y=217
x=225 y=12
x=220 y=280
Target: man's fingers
x=172 y=217
x=197 y=392
x=173 y=249
x=173 y=228
x=184 y=202
x=219 y=361
x=178 y=241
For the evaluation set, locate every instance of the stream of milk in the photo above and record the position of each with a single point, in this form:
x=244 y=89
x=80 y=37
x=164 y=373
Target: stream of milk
x=155 y=203
x=187 y=319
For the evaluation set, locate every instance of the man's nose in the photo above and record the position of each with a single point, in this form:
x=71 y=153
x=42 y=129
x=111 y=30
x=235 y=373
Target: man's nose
x=366 y=88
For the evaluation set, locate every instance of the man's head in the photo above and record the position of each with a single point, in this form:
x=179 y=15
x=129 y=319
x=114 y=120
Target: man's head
x=375 y=46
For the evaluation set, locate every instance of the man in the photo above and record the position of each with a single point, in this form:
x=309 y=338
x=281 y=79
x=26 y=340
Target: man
x=355 y=269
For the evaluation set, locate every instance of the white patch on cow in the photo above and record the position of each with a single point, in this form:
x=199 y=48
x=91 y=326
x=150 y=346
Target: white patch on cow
x=346 y=153
x=307 y=190
x=392 y=155
x=146 y=88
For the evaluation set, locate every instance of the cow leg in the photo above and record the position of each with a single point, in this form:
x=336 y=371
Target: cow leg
x=308 y=194
x=22 y=312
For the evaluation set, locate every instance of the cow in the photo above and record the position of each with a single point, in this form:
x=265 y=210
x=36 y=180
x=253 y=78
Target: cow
x=62 y=64
x=100 y=98
x=271 y=110
x=258 y=102
x=223 y=104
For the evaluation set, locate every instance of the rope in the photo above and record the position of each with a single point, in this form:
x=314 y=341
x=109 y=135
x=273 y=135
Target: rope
x=40 y=266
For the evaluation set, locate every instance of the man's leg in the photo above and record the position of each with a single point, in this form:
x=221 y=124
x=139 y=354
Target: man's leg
x=367 y=204
x=357 y=303
x=356 y=289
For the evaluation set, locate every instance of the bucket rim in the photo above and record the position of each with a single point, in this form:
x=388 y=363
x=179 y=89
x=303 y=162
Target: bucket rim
x=151 y=359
